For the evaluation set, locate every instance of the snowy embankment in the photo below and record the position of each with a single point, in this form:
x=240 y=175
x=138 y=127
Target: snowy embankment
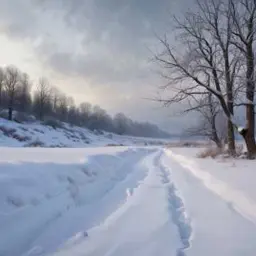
x=35 y=134
x=220 y=199
x=48 y=195
x=125 y=201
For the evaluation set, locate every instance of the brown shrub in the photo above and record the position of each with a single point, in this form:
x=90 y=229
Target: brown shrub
x=214 y=152
x=210 y=152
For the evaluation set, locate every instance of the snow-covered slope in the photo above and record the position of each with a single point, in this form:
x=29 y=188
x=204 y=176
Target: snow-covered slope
x=140 y=201
x=39 y=187
x=35 y=134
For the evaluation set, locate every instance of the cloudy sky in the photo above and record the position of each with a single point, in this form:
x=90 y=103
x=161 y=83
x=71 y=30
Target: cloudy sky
x=95 y=50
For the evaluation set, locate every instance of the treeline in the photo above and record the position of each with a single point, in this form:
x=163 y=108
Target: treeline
x=44 y=101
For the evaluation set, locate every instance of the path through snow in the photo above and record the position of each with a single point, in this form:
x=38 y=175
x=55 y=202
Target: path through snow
x=142 y=225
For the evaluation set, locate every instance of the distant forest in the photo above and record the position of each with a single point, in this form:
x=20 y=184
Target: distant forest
x=46 y=102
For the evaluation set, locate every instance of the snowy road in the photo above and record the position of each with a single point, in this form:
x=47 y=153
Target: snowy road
x=127 y=201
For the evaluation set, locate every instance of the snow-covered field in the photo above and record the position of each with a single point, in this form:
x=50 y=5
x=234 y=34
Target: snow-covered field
x=125 y=201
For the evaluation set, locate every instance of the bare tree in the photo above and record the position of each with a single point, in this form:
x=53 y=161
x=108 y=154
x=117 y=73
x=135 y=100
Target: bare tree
x=73 y=112
x=211 y=120
x=63 y=107
x=56 y=94
x=121 y=123
x=218 y=19
x=243 y=38
x=23 y=97
x=210 y=61
x=42 y=98
x=85 y=112
x=12 y=79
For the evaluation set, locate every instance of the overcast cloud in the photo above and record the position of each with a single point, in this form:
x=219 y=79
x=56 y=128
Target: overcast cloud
x=96 y=50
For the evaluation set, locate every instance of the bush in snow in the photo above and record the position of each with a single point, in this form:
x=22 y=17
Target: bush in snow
x=210 y=152
x=114 y=145
x=98 y=132
x=7 y=131
x=213 y=152
x=109 y=136
x=40 y=131
x=4 y=114
x=21 y=138
x=53 y=123
x=21 y=117
x=186 y=144
x=11 y=132
x=35 y=143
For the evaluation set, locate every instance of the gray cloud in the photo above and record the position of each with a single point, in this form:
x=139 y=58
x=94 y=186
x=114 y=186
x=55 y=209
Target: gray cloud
x=106 y=42
x=114 y=34
x=116 y=37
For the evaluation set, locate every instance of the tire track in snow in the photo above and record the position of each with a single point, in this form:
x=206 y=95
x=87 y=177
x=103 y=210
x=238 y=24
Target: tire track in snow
x=177 y=209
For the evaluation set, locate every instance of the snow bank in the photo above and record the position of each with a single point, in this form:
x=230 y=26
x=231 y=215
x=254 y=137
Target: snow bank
x=40 y=186
x=221 y=209
x=35 y=134
x=238 y=173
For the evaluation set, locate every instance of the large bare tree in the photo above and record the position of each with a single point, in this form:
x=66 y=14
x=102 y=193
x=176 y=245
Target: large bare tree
x=210 y=61
x=243 y=13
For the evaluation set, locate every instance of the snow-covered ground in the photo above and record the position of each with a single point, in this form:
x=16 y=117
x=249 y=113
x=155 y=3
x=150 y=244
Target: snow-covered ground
x=125 y=201
x=35 y=134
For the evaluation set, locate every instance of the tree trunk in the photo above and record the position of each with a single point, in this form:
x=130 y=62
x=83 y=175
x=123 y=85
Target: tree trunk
x=10 y=113
x=230 y=105
x=231 y=139
x=10 y=106
x=249 y=132
x=249 y=136
x=215 y=137
x=218 y=142
x=250 y=145
x=41 y=115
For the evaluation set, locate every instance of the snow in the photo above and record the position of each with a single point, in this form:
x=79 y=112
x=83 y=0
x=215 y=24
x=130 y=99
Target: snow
x=240 y=129
x=120 y=233
x=218 y=227
x=129 y=200
x=35 y=194
x=13 y=134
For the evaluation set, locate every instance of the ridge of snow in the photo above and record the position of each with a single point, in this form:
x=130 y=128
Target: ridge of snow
x=14 y=134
